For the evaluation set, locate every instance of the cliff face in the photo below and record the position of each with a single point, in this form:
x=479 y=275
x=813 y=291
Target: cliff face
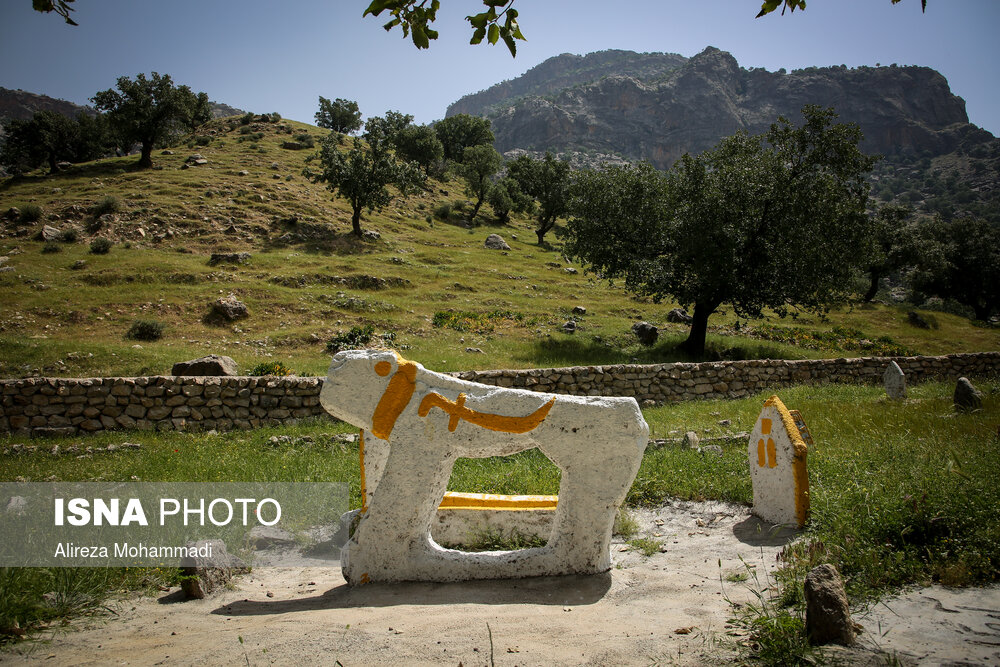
x=22 y=105
x=691 y=106
x=565 y=71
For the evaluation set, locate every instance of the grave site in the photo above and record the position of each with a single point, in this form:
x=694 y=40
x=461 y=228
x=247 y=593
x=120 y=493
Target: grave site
x=312 y=355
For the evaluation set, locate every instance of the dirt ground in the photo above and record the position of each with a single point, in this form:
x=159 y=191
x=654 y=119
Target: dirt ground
x=670 y=608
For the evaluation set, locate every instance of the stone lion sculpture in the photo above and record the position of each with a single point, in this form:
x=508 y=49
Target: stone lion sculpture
x=416 y=423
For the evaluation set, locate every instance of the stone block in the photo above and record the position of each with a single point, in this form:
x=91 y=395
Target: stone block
x=778 y=473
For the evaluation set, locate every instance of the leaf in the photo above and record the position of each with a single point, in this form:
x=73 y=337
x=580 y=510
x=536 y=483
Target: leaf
x=477 y=21
x=420 y=37
x=511 y=45
x=477 y=36
x=494 y=34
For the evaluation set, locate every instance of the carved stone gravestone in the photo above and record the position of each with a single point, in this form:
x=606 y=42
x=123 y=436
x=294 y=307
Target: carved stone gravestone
x=777 y=451
x=895 y=382
x=416 y=423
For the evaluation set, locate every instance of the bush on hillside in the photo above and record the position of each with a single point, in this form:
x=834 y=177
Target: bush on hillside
x=271 y=368
x=100 y=246
x=146 y=330
x=31 y=213
x=106 y=204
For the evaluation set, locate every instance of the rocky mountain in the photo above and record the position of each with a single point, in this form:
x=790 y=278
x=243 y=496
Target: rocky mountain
x=657 y=107
x=22 y=105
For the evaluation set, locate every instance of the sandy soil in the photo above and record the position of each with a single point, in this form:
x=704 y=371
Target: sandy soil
x=670 y=608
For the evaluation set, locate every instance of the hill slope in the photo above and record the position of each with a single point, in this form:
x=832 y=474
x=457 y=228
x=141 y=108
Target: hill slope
x=428 y=280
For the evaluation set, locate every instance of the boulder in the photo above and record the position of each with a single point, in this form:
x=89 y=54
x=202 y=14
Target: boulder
x=569 y=327
x=370 y=235
x=229 y=258
x=917 y=320
x=646 y=333
x=579 y=310
x=204 y=574
x=50 y=233
x=691 y=440
x=967 y=397
x=679 y=316
x=496 y=242
x=828 y=616
x=895 y=382
x=229 y=308
x=213 y=365
x=13 y=213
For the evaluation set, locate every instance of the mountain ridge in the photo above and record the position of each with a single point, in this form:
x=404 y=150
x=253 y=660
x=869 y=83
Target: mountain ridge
x=690 y=103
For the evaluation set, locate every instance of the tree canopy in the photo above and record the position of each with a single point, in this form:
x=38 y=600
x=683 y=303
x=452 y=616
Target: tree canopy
x=771 y=221
x=479 y=163
x=49 y=138
x=340 y=115
x=460 y=131
x=363 y=174
x=420 y=144
x=547 y=180
x=959 y=260
x=150 y=112
x=791 y=5
x=498 y=22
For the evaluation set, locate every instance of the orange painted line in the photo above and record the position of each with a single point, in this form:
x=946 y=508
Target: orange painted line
x=799 y=471
x=456 y=411
x=492 y=501
x=364 y=488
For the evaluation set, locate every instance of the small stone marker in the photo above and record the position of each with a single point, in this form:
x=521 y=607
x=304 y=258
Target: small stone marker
x=828 y=616
x=895 y=382
x=777 y=451
x=691 y=440
x=205 y=573
x=967 y=397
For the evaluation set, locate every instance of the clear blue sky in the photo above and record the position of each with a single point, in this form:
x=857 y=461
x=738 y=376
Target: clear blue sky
x=269 y=55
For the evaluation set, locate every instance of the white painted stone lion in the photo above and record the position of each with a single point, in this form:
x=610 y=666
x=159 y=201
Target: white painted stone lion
x=416 y=423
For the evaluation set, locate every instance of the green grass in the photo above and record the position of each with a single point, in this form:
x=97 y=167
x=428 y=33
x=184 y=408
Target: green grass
x=901 y=492
x=442 y=291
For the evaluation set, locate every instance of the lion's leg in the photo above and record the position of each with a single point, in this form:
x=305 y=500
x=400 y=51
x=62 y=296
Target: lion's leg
x=396 y=527
x=592 y=489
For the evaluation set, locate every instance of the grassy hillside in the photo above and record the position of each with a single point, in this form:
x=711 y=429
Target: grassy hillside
x=65 y=311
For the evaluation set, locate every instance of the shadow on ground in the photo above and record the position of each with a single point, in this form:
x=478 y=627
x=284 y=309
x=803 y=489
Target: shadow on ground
x=564 y=590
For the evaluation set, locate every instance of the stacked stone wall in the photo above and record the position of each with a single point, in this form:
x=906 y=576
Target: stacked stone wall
x=70 y=406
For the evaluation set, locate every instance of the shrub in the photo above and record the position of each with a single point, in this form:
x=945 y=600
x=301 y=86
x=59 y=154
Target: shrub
x=69 y=235
x=50 y=247
x=246 y=118
x=100 y=246
x=305 y=139
x=147 y=330
x=275 y=117
x=246 y=129
x=203 y=141
x=31 y=213
x=271 y=368
x=106 y=204
x=442 y=211
x=358 y=336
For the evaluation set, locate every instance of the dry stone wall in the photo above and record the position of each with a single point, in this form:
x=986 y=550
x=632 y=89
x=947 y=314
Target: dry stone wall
x=70 y=406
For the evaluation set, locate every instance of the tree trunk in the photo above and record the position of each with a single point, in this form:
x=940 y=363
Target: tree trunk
x=876 y=277
x=146 y=156
x=695 y=343
x=982 y=312
x=475 y=209
x=356 y=222
x=543 y=227
x=53 y=167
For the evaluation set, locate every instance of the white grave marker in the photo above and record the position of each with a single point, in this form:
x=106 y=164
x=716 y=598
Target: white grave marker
x=778 y=472
x=895 y=382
